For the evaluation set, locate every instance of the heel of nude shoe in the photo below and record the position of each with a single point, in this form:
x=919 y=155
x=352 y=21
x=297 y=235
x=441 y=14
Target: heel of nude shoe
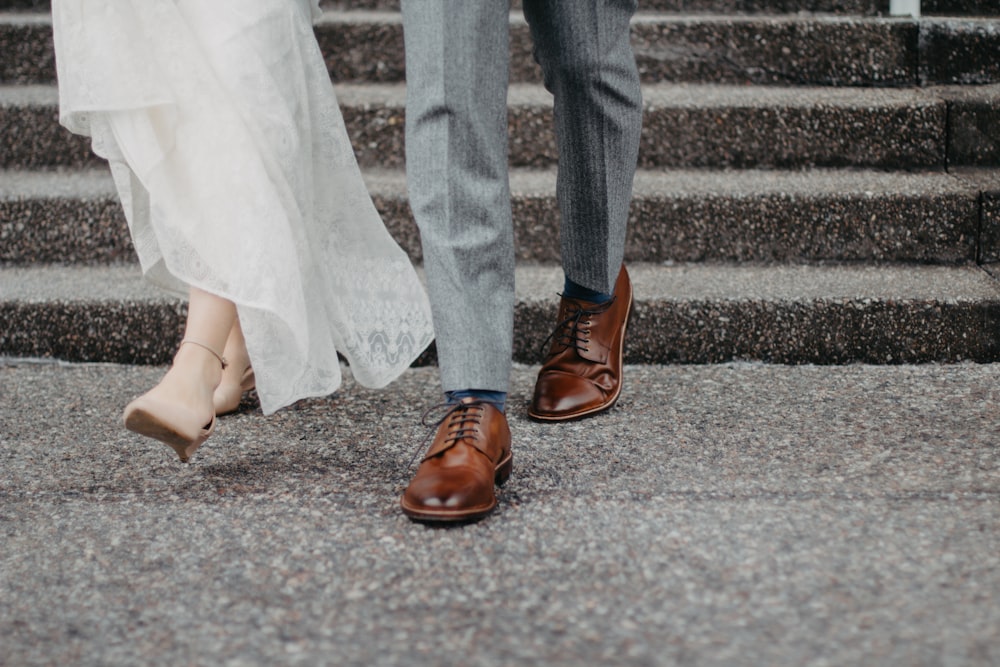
x=186 y=450
x=504 y=470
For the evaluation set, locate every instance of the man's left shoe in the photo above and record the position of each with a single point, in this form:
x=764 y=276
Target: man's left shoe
x=583 y=372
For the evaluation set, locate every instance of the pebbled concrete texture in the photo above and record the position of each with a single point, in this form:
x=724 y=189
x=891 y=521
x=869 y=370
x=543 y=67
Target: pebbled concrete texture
x=974 y=124
x=688 y=313
x=26 y=44
x=32 y=136
x=708 y=126
x=740 y=514
x=789 y=50
x=362 y=46
x=988 y=182
x=705 y=126
x=818 y=215
x=741 y=127
x=960 y=7
x=795 y=48
x=960 y=51
x=679 y=215
x=66 y=217
x=864 y=7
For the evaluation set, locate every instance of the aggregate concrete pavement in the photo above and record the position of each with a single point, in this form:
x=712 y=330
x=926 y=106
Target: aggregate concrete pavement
x=736 y=514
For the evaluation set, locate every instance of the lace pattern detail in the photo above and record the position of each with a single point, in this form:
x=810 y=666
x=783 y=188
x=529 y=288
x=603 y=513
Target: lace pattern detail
x=236 y=174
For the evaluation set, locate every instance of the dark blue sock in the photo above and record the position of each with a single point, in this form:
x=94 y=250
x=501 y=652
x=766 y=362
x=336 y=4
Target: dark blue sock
x=497 y=398
x=574 y=290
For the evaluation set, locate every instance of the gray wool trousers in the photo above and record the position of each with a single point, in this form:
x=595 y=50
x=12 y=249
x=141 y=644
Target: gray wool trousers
x=457 y=67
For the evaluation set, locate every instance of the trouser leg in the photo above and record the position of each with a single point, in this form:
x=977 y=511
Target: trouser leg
x=457 y=64
x=587 y=60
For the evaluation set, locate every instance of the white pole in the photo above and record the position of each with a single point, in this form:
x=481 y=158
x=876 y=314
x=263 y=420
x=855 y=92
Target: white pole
x=904 y=7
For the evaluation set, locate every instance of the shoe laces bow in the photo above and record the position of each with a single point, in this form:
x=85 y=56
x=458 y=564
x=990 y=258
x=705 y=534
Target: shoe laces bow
x=574 y=331
x=463 y=419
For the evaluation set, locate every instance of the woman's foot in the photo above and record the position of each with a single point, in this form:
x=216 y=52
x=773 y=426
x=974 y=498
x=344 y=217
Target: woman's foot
x=237 y=378
x=179 y=411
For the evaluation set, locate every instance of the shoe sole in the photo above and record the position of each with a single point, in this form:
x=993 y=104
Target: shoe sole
x=147 y=424
x=604 y=406
x=423 y=515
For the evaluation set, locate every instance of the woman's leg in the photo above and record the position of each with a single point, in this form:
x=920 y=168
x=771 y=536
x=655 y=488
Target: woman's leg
x=238 y=376
x=179 y=411
x=196 y=372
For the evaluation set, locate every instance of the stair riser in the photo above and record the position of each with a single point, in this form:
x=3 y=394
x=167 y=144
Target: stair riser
x=33 y=139
x=26 y=54
x=739 y=50
x=777 y=228
x=960 y=7
x=886 y=137
x=660 y=332
x=974 y=129
x=990 y=247
x=670 y=227
x=759 y=51
x=821 y=332
x=778 y=52
x=898 y=137
x=954 y=51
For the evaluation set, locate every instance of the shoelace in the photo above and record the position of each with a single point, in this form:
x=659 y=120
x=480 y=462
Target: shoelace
x=570 y=332
x=459 y=416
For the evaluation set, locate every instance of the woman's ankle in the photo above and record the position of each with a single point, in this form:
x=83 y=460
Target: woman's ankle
x=198 y=365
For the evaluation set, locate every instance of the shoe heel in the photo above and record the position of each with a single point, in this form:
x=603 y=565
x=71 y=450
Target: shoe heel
x=503 y=471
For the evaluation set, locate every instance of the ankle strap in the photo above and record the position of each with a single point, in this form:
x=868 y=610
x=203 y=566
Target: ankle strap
x=222 y=360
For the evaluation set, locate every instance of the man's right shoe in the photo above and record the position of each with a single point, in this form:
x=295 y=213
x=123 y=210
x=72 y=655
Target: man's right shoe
x=469 y=455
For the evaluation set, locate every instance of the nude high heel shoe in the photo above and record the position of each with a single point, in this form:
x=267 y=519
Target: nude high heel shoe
x=175 y=426
x=228 y=395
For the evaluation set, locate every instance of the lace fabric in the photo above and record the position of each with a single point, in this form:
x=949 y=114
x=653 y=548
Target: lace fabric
x=236 y=174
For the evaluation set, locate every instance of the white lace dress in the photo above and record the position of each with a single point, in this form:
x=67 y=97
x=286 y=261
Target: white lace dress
x=236 y=174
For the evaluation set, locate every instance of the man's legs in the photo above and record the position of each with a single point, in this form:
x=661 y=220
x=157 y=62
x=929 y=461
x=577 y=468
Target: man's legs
x=457 y=63
x=588 y=65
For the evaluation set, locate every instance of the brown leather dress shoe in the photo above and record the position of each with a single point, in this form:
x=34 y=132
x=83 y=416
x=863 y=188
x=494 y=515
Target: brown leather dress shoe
x=583 y=372
x=455 y=480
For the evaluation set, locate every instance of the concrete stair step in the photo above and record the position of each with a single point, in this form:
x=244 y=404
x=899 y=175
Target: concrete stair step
x=688 y=313
x=853 y=7
x=679 y=215
x=704 y=126
x=365 y=46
